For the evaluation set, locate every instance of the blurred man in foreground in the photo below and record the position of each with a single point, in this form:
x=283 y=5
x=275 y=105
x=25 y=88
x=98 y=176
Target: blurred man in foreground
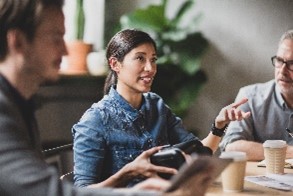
x=31 y=50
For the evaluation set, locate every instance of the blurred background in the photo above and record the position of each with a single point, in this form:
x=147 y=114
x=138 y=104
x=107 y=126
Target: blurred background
x=242 y=35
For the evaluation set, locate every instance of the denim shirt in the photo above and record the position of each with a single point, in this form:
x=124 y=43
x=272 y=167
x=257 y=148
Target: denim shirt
x=112 y=133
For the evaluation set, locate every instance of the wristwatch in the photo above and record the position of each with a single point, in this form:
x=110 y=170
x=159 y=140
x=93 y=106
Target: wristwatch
x=218 y=132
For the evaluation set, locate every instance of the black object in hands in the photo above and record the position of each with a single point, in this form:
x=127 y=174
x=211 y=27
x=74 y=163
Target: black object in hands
x=194 y=146
x=172 y=156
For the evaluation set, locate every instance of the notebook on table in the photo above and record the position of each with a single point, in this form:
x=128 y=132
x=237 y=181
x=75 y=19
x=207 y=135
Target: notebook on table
x=288 y=163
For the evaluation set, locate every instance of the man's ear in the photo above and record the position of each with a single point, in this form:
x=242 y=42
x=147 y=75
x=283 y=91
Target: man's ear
x=114 y=64
x=16 y=41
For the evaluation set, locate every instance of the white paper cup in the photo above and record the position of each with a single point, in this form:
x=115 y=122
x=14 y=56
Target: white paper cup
x=233 y=174
x=275 y=155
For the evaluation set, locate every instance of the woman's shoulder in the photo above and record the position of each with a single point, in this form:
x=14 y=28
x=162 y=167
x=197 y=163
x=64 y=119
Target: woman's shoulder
x=102 y=104
x=97 y=110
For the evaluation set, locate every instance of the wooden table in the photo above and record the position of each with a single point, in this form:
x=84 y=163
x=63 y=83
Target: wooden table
x=249 y=187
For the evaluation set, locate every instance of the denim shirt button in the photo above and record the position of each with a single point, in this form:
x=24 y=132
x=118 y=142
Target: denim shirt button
x=150 y=141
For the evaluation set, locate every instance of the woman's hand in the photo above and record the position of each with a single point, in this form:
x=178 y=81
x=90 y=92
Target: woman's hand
x=231 y=113
x=142 y=167
x=157 y=184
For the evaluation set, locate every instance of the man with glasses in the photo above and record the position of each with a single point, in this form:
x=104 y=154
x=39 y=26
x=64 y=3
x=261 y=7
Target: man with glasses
x=271 y=107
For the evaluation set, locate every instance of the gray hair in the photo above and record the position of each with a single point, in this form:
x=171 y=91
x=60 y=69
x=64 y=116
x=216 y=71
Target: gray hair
x=287 y=35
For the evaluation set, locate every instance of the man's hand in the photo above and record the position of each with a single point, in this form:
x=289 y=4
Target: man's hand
x=157 y=184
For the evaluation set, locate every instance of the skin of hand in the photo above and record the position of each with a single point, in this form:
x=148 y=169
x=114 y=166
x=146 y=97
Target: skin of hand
x=187 y=157
x=141 y=167
x=254 y=151
x=289 y=153
x=227 y=114
x=157 y=184
x=152 y=184
x=231 y=113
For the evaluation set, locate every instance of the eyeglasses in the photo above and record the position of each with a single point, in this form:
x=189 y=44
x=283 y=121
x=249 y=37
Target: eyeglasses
x=279 y=62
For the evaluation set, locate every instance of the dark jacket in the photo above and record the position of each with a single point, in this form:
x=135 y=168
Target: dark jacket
x=23 y=171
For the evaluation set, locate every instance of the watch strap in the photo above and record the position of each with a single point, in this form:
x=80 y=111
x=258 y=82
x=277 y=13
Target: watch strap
x=218 y=132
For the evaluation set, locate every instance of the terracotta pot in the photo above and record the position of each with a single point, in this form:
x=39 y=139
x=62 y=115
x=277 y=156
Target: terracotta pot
x=76 y=58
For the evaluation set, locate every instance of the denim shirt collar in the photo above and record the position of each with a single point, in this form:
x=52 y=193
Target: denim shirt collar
x=124 y=105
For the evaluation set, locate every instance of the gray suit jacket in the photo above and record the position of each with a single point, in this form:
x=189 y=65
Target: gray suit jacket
x=23 y=170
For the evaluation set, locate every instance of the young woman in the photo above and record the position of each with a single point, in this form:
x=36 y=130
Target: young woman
x=130 y=119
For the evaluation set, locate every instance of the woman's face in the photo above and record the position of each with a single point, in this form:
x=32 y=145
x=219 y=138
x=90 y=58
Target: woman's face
x=137 y=71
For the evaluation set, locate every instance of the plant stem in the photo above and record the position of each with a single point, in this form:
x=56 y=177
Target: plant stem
x=80 y=20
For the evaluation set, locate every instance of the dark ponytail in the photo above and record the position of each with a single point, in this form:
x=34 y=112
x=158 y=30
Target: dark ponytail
x=110 y=81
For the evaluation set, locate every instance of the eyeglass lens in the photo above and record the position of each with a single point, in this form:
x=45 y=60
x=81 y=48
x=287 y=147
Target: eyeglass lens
x=279 y=62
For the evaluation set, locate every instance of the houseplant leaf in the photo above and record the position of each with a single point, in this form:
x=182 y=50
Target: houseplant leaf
x=181 y=13
x=150 y=19
x=80 y=20
x=189 y=51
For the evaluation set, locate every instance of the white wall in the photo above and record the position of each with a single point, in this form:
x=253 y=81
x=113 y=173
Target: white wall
x=95 y=17
x=243 y=35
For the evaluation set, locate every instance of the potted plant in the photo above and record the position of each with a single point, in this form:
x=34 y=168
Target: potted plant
x=77 y=48
x=180 y=49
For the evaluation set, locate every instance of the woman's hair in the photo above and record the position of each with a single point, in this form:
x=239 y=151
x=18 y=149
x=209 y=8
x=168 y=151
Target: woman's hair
x=23 y=15
x=120 y=45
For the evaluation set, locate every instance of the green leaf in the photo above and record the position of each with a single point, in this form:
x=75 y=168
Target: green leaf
x=190 y=65
x=193 y=24
x=150 y=19
x=80 y=20
x=181 y=12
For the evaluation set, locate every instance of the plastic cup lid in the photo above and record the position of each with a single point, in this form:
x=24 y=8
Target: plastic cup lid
x=274 y=144
x=235 y=155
